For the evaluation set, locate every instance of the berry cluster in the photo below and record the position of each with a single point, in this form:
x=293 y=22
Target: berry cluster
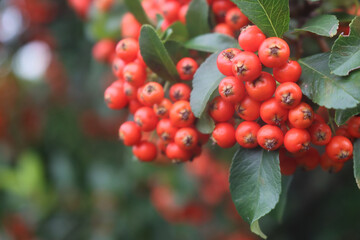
x=169 y=118
x=271 y=107
x=163 y=122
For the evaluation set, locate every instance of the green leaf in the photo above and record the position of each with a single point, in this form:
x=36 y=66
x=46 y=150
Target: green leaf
x=176 y=32
x=343 y=16
x=280 y=207
x=205 y=124
x=197 y=18
x=212 y=42
x=134 y=6
x=206 y=80
x=345 y=53
x=255 y=228
x=271 y=16
x=176 y=50
x=357 y=161
x=342 y=116
x=255 y=184
x=324 y=25
x=327 y=89
x=155 y=54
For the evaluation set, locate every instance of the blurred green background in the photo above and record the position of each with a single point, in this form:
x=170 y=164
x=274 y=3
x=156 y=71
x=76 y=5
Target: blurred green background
x=65 y=175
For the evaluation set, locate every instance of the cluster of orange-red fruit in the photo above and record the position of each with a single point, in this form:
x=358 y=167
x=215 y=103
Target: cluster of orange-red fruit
x=169 y=118
x=274 y=113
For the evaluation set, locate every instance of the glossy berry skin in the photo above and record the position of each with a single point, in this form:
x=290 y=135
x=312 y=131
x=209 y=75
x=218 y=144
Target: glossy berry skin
x=246 y=134
x=301 y=116
x=288 y=95
x=146 y=118
x=170 y=10
x=327 y=164
x=186 y=68
x=248 y=109
x=165 y=130
x=153 y=93
x=251 y=38
x=274 y=52
x=309 y=160
x=223 y=28
x=246 y=66
x=103 y=50
x=162 y=109
x=354 y=127
x=130 y=133
x=235 y=19
x=262 y=88
x=339 y=149
x=343 y=131
x=221 y=110
x=115 y=97
x=179 y=91
x=181 y=114
x=225 y=60
x=177 y=154
x=117 y=67
x=182 y=13
x=186 y=138
x=224 y=135
x=127 y=49
x=134 y=105
x=289 y=72
x=270 y=137
x=272 y=112
x=320 y=133
x=288 y=163
x=145 y=151
x=297 y=140
x=232 y=90
x=220 y=8
x=130 y=27
x=135 y=74
x=130 y=91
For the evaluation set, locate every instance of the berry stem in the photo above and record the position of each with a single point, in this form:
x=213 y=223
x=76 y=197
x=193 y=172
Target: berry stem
x=331 y=122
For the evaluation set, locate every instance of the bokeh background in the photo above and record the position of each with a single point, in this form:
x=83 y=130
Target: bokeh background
x=64 y=174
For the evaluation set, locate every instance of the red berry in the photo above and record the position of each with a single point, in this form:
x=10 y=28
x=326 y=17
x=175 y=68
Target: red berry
x=225 y=60
x=270 y=137
x=221 y=110
x=320 y=133
x=186 y=138
x=135 y=74
x=103 y=50
x=251 y=38
x=165 y=130
x=339 y=149
x=186 y=68
x=130 y=133
x=115 y=97
x=289 y=72
x=297 y=140
x=274 y=52
x=246 y=66
x=302 y=116
x=181 y=114
x=354 y=127
x=288 y=95
x=248 y=109
x=145 y=151
x=179 y=91
x=272 y=112
x=246 y=134
x=146 y=118
x=224 y=135
x=262 y=88
x=153 y=93
x=232 y=90
x=127 y=49
x=162 y=109
x=235 y=19
x=177 y=154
